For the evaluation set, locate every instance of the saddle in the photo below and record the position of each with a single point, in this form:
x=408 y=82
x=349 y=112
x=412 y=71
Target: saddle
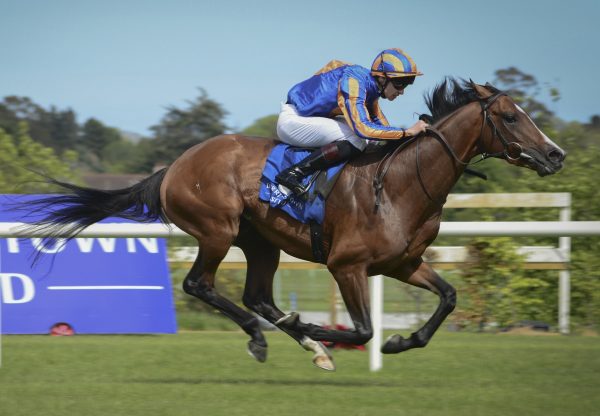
x=308 y=209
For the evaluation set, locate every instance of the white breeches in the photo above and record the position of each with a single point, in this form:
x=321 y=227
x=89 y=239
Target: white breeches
x=300 y=131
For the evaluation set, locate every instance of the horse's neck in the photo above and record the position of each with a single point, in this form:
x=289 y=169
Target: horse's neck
x=462 y=129
x=438 y=169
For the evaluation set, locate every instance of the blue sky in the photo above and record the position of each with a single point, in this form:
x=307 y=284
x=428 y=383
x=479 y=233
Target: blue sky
x=124 y=61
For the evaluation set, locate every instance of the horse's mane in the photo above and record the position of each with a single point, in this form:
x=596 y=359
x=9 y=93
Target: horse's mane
x=448 y=96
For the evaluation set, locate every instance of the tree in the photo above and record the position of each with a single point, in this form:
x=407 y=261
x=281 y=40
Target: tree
x=55 y=128
x=64 y=130
x=96 y=138
x=14 y=109
x=594 y=122
x=182 y=128
x=525 y=90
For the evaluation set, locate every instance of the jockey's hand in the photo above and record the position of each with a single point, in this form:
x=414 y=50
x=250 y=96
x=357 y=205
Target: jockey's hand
x=418 y=127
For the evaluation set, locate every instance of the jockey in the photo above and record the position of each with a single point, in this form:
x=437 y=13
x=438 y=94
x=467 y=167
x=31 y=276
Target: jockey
x=309 y=118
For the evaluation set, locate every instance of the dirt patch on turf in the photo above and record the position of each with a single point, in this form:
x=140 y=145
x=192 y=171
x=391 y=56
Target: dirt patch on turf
x=529 y=331
x=588 y=333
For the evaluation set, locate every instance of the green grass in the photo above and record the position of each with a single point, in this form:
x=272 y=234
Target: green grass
x=209 y=373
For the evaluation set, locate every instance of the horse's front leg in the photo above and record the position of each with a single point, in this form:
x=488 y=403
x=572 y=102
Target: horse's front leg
x=352 y=281
x=426 y=278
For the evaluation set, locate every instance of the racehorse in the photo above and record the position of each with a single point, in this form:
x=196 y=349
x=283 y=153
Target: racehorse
x=211 y=192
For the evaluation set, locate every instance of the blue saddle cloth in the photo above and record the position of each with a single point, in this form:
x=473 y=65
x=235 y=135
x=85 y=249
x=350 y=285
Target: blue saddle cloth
x=312 y=209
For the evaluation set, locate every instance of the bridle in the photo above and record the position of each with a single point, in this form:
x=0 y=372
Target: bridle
x=486 y=103
x=505 y=153
x=496 y=134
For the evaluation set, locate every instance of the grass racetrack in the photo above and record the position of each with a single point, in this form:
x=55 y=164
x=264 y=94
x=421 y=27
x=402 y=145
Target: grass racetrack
x=209 y=373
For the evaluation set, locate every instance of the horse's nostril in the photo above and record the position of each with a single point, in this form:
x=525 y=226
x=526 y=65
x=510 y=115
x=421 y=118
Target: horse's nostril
x=556 y=155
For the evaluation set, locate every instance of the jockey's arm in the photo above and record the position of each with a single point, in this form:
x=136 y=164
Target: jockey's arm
x=352 y=101
x=378 y=116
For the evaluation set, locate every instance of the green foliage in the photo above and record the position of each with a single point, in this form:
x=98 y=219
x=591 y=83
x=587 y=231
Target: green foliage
x=19 y=153
x=491 y=288
x=121 y=156
x=145 y=157
x=95 y=142
x=263 y=127
x=64 y=129
x=54 y=128
x=585 y=283
x=58 y=129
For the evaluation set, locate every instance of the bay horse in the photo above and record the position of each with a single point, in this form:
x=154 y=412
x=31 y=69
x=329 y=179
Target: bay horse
x=211 y=192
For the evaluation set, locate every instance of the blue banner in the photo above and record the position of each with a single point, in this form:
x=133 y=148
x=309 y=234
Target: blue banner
x=95 y=285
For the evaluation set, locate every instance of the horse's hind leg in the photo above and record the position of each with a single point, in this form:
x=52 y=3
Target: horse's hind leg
x=426 y=278
x=262 y=259
x=200 y=283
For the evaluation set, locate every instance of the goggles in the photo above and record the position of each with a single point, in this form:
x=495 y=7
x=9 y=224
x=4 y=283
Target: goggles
x=401 y=82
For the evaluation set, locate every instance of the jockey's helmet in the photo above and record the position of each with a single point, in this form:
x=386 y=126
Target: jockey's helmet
x=394 y=63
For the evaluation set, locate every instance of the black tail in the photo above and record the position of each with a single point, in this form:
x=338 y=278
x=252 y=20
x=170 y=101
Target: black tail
x=67 y=215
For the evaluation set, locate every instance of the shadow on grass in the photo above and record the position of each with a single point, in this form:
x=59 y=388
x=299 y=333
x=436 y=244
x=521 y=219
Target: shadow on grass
x=278 y=382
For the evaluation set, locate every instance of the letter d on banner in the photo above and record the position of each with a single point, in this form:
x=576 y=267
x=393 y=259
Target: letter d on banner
x=7 y=288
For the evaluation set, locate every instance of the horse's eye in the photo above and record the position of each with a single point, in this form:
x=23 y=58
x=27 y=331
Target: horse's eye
x=509 y=118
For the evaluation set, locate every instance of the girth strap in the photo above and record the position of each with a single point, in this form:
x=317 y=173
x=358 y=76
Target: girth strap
x=316 y=242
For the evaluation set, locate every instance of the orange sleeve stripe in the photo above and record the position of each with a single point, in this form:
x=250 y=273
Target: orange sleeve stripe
x=379 y=113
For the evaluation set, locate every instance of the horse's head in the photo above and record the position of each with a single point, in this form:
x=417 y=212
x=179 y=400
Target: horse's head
x=509 y=133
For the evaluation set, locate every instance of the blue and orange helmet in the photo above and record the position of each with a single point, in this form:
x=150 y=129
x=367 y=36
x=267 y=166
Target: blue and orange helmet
x=394 y=63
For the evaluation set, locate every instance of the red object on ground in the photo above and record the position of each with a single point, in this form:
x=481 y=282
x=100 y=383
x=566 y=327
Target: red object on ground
x=61 y=329
x=342 y=345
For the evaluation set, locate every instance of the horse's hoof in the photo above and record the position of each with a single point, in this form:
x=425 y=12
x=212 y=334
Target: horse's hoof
x=324 y=362
x=322 y=358
x=259 y=352
x=395 y=344
x=288 y=321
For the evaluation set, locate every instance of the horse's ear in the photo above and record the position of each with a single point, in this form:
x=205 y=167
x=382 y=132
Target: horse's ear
x=481 y=91
x=492 y=88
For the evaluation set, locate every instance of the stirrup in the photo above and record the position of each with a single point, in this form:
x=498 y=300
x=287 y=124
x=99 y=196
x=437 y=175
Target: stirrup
x=302 y=190
x=291 y=179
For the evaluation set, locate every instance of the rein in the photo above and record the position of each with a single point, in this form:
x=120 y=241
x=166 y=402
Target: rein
x=383 y=167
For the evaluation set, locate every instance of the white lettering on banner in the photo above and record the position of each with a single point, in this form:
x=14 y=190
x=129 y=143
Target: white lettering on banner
x=13 y=245
x=40 y=245
x=150 y=244
x=86 y=244
x=6 y=286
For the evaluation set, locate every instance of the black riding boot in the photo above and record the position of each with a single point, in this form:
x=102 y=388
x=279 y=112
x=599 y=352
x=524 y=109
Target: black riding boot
x=325 y=157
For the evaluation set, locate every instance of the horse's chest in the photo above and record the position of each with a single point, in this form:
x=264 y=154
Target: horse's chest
x=418 y=240
x=409 y=249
